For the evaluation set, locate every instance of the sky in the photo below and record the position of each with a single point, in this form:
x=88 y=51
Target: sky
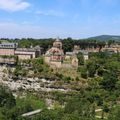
x=63 y=18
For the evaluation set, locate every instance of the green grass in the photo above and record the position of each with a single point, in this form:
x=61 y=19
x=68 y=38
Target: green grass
x=68 y=72
x=31 y=100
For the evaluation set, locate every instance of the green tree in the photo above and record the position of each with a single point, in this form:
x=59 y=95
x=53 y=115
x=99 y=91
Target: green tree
x=91 y=67
x=114 y=114
x=68 y=44
x=83 y=71
x=109 y=80
x=80 y=58
x=6 y=98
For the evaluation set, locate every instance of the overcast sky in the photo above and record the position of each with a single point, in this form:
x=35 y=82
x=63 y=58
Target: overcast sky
x=63 y=18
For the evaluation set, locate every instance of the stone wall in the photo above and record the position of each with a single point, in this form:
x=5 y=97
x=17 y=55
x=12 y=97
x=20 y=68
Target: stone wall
x=55 y=64
x=7 y=60
x=47 y=60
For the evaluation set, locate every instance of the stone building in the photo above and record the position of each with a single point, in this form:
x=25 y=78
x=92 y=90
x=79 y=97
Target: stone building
x=8 y=48
x=28 y=53
x=9 y=51
x=55 y=56
x=74 y=61
x=114 y=48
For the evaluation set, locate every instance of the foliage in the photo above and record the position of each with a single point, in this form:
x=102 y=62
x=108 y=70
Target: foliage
x=31 y=101
x=80 y=58
x=12 y=109
x=8 y=56
x=83 y=71
x=6 y=98
x=115 y=113
x=68 y=44
x=20 y=71
x=109 y=80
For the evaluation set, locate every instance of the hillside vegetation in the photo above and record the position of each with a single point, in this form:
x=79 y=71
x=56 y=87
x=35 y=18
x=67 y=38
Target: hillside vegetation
x=91 y=92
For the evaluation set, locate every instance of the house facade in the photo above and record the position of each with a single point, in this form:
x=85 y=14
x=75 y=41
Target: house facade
x=9 y=51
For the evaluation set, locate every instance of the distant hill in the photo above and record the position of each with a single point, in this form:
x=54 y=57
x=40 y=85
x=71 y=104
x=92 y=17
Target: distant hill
x=106 y=37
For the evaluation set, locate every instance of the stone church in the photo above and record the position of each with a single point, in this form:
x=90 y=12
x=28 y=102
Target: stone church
x=55 y=56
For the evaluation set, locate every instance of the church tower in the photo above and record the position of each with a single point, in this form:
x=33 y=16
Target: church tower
x=57 y=43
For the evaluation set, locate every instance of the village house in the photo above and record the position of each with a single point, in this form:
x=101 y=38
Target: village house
x=114 y=48
x=9 y=51
x=8 y=48
x=28 y=53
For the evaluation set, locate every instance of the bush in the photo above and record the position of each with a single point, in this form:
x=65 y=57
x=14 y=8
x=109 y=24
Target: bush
x=6 y=98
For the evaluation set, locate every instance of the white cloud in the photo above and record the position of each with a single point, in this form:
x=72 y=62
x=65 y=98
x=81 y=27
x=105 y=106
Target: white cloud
x=13 y=5
x=50 y=13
